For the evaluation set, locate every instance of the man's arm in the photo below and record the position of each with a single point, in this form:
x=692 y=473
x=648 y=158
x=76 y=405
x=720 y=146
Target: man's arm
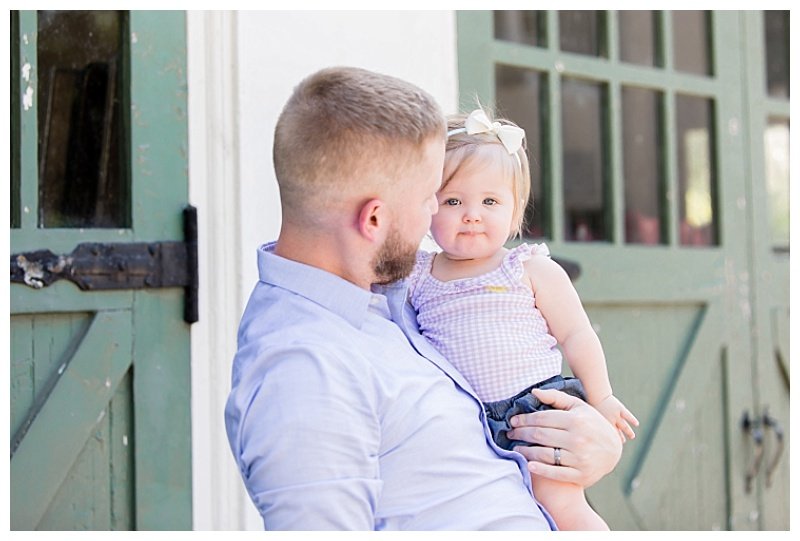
x=306 y=440
x=590 y=445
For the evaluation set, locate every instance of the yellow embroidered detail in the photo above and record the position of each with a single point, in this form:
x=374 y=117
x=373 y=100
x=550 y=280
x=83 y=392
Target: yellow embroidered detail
x=496 y=289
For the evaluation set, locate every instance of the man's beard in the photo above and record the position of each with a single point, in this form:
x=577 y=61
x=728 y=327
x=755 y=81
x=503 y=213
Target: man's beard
x=394 y=260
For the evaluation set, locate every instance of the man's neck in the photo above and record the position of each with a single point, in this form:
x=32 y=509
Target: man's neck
x=329 y=252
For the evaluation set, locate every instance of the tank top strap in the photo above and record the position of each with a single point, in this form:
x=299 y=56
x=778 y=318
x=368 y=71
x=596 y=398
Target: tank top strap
x=514 y=260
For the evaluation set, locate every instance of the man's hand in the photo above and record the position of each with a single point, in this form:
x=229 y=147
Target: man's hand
x=590 y=446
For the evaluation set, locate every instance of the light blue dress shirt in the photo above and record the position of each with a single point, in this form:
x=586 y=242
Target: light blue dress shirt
x=342 y=416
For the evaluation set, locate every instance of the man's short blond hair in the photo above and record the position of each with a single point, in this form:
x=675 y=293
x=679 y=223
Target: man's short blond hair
x=348 y=130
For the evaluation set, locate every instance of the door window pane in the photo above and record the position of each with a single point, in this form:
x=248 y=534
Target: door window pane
x=696 y=172
x=642 y=162
x=776 y=158
x=584 y=162
x=638 y=37
x=691 y=42
x=776 y=37
x=519 y=94
x=582 y=32
x=82 y=179
x=526 y=27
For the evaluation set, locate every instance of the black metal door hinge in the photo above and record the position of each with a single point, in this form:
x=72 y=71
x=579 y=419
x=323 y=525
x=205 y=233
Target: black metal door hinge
x=120 y=265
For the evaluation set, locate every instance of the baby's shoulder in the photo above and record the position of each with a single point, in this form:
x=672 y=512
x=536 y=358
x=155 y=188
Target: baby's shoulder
x=525 y=255
x=542 y=270
x=518 y=259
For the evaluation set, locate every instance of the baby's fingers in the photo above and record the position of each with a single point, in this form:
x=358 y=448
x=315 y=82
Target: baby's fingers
x=626 y=429
x=630 y=417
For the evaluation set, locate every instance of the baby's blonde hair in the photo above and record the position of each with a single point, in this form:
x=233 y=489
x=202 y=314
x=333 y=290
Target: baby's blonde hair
x=463 y=147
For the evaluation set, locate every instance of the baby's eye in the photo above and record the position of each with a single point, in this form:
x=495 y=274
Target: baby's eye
x=451 y=202
x=489 y=201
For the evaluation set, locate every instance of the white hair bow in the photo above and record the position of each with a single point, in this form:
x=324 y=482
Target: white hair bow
x=478 y=122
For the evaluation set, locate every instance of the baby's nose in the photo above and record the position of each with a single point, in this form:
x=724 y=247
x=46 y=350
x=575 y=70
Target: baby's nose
x=471 y=216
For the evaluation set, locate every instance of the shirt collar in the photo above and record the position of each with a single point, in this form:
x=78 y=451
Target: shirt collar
x=332 y=292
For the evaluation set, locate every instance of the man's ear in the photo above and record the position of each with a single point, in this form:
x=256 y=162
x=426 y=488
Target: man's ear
x=372 y=220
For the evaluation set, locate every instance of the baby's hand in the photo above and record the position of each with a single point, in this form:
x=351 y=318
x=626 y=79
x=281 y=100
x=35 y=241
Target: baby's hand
x=619 y=416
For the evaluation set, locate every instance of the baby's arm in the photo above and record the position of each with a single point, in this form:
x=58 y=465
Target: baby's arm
x=567 y=321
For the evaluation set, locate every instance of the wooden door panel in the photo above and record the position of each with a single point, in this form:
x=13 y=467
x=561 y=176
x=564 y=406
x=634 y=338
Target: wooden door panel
x=666 y=364
x=681 y=478
x=92 y=369
x=775 y=403
x=40 y=343
x=97 y=493
x=645 y=344
x=163 y=413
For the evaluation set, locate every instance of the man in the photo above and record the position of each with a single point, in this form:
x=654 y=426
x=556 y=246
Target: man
x=341 y=415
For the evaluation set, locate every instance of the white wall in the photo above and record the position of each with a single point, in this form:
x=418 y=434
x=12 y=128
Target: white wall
x=242 y=68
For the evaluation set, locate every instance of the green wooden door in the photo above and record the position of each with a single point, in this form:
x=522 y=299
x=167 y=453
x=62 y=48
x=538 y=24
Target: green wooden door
x=646 y=172
x=100 y=382
x=767 y=166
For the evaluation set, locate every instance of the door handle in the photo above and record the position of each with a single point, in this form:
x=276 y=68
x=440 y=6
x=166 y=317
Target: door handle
x=753 y=428
x=772 y=423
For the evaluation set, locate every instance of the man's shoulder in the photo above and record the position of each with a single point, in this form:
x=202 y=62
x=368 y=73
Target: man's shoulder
x=275 y=312
x=294 y=339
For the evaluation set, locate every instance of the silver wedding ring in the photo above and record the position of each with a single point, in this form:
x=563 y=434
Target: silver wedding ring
x=557 y=456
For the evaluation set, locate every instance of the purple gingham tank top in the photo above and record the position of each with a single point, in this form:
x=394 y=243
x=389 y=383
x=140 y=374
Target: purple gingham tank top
x=487 y=326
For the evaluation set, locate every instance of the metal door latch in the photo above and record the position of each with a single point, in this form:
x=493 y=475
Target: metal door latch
x=752 y=426
x=756 y=427
x=120 y=265
x=772 y=423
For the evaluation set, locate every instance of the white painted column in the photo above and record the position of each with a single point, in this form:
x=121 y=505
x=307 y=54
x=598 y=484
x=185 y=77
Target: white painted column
x=215 y=186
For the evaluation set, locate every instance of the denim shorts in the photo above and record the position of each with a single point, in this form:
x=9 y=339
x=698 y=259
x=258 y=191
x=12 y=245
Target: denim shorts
x=498 y=413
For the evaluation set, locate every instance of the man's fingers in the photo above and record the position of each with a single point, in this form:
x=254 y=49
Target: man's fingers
x=557 y=399
x=544 y=455
x=541 y=461
x=554 y=418
x=540 y=435
x=556 y=473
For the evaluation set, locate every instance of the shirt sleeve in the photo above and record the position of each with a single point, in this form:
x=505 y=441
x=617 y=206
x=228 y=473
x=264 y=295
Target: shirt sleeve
x=306 y=438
